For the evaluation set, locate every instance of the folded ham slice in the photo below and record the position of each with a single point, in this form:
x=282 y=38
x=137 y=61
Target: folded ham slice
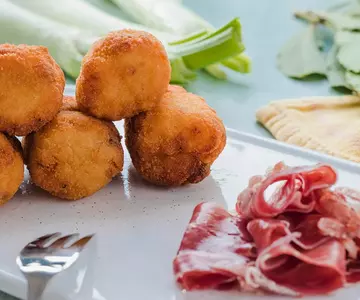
x=318 y=270
x=213 y=229
x=215 y=249
x=295 y=193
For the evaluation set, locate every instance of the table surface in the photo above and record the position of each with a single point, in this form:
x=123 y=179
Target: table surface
x=266 y=26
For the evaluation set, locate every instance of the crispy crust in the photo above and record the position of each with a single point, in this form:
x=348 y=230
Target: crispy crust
x=69 y=103
x=74 y=155
x=317 y=123
x=125 y=73
x=176 y=142
x=32 y=87
x=11 y=167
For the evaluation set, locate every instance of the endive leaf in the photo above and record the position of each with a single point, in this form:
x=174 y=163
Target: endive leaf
x=343 y=37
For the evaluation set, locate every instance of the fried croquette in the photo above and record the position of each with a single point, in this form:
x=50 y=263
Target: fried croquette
x=74 y=155
x=11 y=167
x=32 y=86
x=176 y=142
x=69 y=103
x=125 y=73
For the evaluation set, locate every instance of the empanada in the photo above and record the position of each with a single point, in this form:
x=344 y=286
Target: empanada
x=327 y=124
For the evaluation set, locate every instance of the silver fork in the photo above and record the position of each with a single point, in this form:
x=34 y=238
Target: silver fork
x=47 y=256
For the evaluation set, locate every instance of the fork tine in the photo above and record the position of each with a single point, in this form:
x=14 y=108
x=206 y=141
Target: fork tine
x=82 y=242
x=61 y=242
x=41 y=241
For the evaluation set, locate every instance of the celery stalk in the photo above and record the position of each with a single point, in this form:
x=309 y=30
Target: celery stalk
x=67 y=45
x=216 y=71
x=180 y=73
x=173 y=17
x=213 y=47
x=240 y=63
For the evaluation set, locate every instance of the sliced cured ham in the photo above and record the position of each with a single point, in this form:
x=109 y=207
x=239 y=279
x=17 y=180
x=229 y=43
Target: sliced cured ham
x=198 y=270
x=320 y=269
x=335 y=205
x=215 y=249
x=303 y=239
x=217 y=252
x=213 y=229
x=353 y=263
x=313 y=229
x=294 y=193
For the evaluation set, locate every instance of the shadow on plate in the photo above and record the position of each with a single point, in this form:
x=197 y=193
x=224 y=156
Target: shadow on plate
x=207 y=190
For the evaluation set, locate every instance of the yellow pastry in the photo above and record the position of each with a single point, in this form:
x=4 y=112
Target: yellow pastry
x=327 y=124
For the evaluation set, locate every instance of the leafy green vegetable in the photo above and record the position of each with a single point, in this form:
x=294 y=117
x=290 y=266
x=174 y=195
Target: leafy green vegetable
x=343 y=37
x=66 y=44
x=323 y=37
x=342 y=46
x=240 y=63
x=352 y=8
x=349 y=56
x=340 y=21
x=83 y=15
x=353 y=81
x=335 y=20
x=169 y=16
x=29 y=22
x=308 y=16
x=301 y=57
x=110 y=8
x=334 y=71
x=341 y=6
x=180 y=73
x=216 y=71
x=173 y=17
x=226 y=42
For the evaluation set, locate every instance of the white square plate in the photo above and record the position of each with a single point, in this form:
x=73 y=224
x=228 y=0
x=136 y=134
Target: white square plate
x=139 y=226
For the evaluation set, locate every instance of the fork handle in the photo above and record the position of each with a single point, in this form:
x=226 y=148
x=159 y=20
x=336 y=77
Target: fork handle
x=36 y=287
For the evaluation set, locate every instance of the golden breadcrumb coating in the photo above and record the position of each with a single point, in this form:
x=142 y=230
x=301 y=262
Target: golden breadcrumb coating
x=125 y=73
x=32 y=86
x=69 y=103
x=177 y=141
x=74 y=155
x=11 y=167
